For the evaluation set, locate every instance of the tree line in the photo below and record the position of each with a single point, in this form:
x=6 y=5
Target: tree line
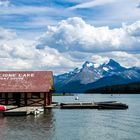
x=125 y=88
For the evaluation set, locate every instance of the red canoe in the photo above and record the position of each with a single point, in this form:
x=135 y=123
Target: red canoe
x=2 y=108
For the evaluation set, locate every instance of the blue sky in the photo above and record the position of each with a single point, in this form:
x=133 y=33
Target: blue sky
x=44 y=29
x=35 y=15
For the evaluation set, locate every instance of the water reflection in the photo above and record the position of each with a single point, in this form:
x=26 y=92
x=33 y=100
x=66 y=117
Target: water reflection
x=30 y=127
x=2 y=127
x=89 y=124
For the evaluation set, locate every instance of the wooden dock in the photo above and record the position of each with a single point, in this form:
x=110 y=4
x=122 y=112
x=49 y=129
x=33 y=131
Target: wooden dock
x=51 y=106
x=78 y=106
x=96 y=105
x=20 y=111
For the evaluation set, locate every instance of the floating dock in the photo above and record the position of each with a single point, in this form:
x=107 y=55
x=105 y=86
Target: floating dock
x=20 y=111
x=78 y=106
x=96 y=105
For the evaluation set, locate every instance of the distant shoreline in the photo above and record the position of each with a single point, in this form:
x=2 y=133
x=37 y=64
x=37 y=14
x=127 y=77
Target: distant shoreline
x=72 y=94
x=63 y=94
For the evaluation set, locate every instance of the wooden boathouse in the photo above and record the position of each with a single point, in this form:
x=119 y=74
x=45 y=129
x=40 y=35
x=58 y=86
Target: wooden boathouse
x=26 y=88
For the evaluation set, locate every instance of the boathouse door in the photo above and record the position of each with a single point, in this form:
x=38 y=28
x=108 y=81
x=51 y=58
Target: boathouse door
x=16 y=98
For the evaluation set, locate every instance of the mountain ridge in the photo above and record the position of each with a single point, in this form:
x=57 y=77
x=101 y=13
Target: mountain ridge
x=92 y=75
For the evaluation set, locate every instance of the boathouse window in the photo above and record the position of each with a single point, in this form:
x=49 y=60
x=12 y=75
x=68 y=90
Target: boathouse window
x=35 y=95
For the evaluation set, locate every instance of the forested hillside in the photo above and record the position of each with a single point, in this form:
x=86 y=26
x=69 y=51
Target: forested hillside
x=125 y=88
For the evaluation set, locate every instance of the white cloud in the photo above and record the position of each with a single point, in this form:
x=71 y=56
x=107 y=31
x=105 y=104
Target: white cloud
x=68 y=44
x=80 y=41
x=4 y=3
x=31 y=17
x=20 y=54
x=99 y=59
x=74 y=34
x=24 y=10
x=133 y=29
x=126 y=59
x=91 y=4
x=6 y=34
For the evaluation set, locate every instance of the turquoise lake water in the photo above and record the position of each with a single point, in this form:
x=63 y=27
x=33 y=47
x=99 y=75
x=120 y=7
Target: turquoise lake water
x=89 y=124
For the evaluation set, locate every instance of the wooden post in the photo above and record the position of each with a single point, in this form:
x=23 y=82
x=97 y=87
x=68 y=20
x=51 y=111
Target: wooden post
x=45 y=100
x=18 y=97
x=50 y=98
x=6 y=98
x=25 y=99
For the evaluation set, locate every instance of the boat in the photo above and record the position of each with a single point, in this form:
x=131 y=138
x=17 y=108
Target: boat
x=105 y=102
x=37 y=111
x=112 y=105
x=40 y=109
x=2 y=108
x=76 y=98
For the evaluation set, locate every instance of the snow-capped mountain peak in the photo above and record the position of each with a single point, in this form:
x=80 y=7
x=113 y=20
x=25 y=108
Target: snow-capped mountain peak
x=112 y=66
x=76 y=70
x=113 y=63
x=88 y=64
x=94 y=75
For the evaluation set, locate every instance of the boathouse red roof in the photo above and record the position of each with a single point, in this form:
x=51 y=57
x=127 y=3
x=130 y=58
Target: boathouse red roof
x=26 y=81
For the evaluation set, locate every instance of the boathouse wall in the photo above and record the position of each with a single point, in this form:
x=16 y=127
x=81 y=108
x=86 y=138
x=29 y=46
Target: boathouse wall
x=32 y=88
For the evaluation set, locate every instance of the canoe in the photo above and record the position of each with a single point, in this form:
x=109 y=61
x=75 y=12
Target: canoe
x=2 y=108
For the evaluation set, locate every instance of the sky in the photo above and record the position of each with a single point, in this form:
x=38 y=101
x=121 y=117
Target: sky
x=60 y=35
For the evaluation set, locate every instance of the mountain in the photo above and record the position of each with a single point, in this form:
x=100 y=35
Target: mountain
x=92 y=75
x=123 y=88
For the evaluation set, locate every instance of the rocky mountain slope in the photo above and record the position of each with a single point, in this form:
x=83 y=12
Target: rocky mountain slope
x=92 y=75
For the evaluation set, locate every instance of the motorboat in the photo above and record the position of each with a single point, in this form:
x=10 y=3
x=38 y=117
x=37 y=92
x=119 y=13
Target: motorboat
x=76 y=98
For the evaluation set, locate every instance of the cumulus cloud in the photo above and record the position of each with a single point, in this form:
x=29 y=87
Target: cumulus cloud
x=133 y=29
x=4 y=3
x=126 y=59
x=68 y=44
x=21 y=54
x=6 y=34
x=74 y=34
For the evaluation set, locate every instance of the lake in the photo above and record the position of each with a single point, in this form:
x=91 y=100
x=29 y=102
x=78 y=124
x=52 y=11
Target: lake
x=89 y=124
